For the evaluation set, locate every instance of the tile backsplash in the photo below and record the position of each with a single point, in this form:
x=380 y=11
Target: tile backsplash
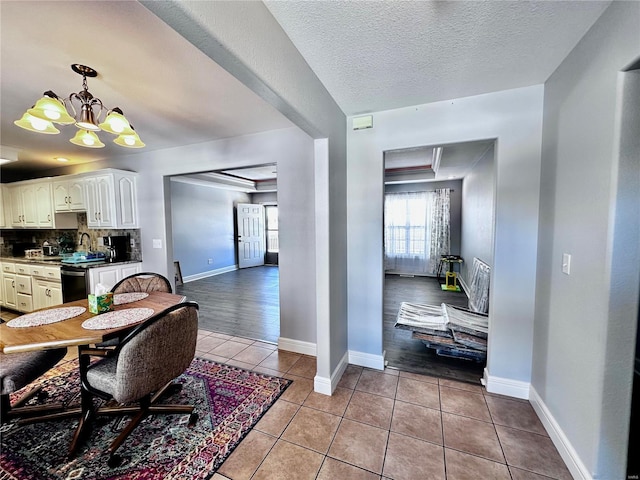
x=60 y=237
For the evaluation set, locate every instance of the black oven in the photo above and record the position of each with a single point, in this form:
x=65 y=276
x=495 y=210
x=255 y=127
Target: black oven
x=75 y=283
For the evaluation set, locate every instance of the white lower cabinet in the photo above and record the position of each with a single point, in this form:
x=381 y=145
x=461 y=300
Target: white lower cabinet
x=109 y=276
x=27 y=287
x=9 y=289
x=46 y=293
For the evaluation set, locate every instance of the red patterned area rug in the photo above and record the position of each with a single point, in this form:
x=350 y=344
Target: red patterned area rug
x=228 y=400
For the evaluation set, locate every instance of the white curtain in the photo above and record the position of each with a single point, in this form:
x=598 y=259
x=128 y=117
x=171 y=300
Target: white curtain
x=416 y=231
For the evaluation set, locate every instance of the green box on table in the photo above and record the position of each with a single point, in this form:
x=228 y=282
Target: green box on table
x=101 y=303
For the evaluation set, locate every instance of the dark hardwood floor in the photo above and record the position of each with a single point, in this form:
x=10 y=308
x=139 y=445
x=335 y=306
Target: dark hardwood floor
x=411 y=355
x=243 y=303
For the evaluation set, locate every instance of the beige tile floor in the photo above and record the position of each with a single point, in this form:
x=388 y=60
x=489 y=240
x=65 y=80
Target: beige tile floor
x=381 y=425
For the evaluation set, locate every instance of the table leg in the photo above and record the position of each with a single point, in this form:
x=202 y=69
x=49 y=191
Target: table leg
x=86 y=403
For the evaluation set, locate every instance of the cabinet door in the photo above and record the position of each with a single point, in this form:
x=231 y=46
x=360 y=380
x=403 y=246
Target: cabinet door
x=29 y=206
x=91 y=191
x=44 y=209
x=55 y=294
x=39 y=294
x=9 y=284
x=127 y=203
x=60 y=197
x=15 y=194
x=130 y=269
x=107 y=276
x=106 y=213
x=76 y=195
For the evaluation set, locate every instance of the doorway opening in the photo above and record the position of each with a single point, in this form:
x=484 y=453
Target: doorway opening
x=210 y=243
x=424 y=221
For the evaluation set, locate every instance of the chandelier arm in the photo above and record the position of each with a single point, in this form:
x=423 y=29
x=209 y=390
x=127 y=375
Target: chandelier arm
x=97 y=101
x=67 y=101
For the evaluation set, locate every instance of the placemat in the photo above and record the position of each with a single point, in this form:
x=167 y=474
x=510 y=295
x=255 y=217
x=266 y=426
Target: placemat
x=117 y=318
x=122 y=298
x=46 y=317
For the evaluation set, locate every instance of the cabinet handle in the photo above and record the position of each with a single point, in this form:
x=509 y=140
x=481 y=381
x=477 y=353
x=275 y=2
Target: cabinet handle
x=13 y=284
x=48 y=218
x=96 y=215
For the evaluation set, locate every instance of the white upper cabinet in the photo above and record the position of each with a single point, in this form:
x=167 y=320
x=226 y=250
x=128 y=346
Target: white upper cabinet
x=111 y=200
x=31 y=205
x=44 y=205
x=68 y=195
x=108 y=196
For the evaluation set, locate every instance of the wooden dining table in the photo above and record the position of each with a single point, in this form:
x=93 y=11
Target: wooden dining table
x=70 y=333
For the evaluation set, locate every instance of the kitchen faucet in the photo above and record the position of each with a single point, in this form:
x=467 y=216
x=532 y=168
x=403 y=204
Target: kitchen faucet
x=82 y=238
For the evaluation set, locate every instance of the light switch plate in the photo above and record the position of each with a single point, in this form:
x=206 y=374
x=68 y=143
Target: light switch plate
x=566 y=263
x=157 y=243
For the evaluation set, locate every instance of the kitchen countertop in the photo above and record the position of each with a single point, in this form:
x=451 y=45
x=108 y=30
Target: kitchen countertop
x=56 y=261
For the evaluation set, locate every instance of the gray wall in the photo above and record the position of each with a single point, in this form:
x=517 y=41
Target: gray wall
x=585 y=322
x=245 y=39
x=267 y=197
x=478 y=211
x=516 y=121
x=292 y=150
x=455 y=206
x=203 y=220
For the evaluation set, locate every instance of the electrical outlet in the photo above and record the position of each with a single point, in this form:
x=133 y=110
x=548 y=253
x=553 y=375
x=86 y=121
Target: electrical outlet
x=1 y=241
x=210 y=261
x=132 y=242
x=101 y=241
x=157 y=243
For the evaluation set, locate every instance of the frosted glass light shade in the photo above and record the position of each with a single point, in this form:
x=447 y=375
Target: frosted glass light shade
x=85 y=138
x=51 y=110
x=35 y=124
x=129 y=141
x=117 y=124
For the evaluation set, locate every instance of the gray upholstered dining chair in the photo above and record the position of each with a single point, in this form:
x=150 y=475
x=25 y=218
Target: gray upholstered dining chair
x=141 y=368
x=17 y=370
x=138 y=282
x=143 y=282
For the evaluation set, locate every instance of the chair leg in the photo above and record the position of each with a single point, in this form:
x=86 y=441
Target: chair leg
x=146 y=408
x=8 y=411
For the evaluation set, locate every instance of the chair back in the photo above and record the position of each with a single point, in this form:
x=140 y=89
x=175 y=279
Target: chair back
x=143 y=282
x=156 y=352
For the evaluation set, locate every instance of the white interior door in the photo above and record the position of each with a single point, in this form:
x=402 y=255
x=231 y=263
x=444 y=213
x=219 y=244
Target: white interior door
x=251 y=241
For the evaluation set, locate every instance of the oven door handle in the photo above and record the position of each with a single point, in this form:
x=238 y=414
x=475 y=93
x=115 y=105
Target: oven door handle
x=72 y=273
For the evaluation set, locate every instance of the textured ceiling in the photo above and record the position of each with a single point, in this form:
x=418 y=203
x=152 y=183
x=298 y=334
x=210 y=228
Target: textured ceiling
x=370 y=56
x=380 y=55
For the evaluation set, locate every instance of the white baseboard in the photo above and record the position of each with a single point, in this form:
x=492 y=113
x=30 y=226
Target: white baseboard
x=326 y=385
x=366 y=359
x=209 y=273
x=571 y=458
x=506 y=386
x=297 y=346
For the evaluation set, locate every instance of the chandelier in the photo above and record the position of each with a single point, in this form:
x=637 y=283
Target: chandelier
x=52 y=109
